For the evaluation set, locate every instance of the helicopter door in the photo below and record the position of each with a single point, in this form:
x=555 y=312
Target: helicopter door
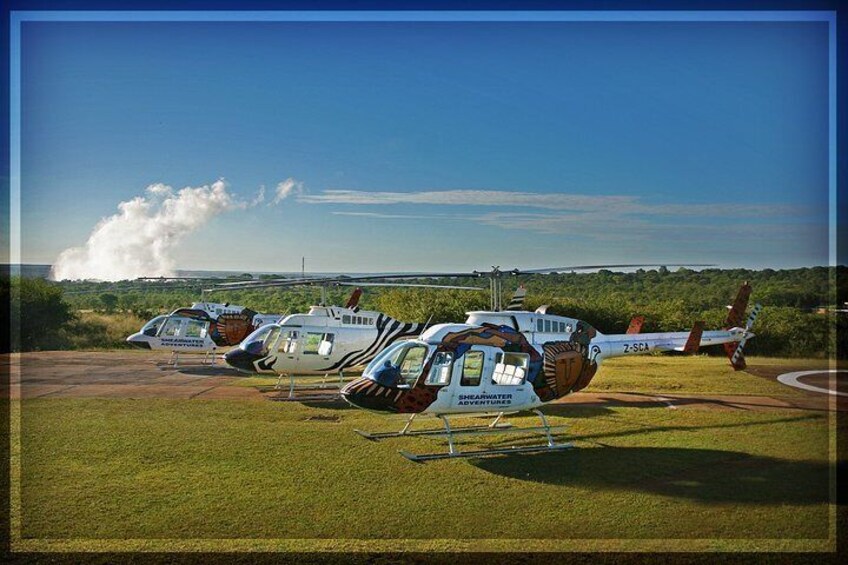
x=288 y=344
x=489 y=381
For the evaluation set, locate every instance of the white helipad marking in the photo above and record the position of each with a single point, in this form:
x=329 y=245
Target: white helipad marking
x=791 y=379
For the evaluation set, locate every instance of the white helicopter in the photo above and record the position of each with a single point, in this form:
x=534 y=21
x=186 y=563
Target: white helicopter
x=201 y=328
x=325 y=340
x=501 y=362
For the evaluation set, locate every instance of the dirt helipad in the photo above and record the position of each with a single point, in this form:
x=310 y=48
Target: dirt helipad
x=145 y=374
x=120 y=374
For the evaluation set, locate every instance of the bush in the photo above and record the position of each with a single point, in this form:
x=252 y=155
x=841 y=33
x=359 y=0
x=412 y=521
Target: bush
x=91 y=330
x=40 y=313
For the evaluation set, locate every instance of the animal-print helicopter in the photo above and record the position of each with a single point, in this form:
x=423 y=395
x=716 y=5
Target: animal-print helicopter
x=508 y=361
x=204 y=327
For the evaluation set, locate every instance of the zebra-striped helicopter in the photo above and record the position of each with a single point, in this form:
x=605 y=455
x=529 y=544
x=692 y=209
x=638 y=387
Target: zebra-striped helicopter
x=326 y=340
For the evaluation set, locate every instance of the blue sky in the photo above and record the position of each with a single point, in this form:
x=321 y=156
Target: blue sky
x=437 y=145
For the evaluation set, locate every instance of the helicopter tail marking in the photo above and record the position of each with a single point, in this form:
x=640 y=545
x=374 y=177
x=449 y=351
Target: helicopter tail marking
x=735 y=350
x=353 y=301
x=740 y=305
x=517 y=301
x=636 y=324
x=694 y=341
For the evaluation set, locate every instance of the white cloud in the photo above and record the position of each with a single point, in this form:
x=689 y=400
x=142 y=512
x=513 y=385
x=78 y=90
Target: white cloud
x=259 y=198
x=608 y=204
x=285 y=189
x=600 y=218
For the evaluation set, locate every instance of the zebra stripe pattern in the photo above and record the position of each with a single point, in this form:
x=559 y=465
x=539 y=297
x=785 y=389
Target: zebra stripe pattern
x=517 y=302
x=389 y=330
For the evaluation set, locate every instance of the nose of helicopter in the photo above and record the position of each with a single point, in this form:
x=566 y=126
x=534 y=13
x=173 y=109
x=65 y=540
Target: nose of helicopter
x=242 y=360
x=370 y=395
x=139 y=340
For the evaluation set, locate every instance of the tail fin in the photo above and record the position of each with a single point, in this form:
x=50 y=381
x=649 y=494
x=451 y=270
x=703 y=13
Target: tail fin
x=735 y=350
x=517 y=301
x=694 y=341
x=636 y=325
x=740 y=305
x=353 y=301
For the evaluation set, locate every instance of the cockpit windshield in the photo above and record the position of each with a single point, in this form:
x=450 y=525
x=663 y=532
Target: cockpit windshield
x=401 y=363
x=151 y=327
x=263 y=339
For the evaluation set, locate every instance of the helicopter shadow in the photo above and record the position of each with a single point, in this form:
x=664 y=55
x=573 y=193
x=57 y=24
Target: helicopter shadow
x=643 y=400
x=328 y=404
x=708 y=476
x=202 y=371
x=646 y=429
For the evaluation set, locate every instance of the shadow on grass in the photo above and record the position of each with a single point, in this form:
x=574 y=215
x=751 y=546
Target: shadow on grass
x=703 y=475
x=330 y=403
x=653 y=401
x=642 y=429
x=205 y=371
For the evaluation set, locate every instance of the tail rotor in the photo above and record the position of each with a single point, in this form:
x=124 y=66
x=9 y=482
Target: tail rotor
x=735 y=351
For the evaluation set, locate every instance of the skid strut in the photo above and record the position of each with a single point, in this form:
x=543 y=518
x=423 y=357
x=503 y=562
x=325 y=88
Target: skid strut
x=493 y=428
x=175 y=359
x=334 y=395
x=209 y=355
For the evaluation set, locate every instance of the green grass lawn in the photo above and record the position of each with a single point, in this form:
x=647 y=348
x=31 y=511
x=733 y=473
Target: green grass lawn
x=215 y=469
x=696 y=375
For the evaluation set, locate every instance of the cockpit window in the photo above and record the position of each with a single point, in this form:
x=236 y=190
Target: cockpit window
x=261 y=339
x=412 y=364
x=271 y=339
x=151 y=327
x=406 y=358
x=172 y=327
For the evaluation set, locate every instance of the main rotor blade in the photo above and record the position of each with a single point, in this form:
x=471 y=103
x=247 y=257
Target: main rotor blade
x=140 y=288
x=338 y=279
x=166 y=279
x=411 y=285
x=590 y=267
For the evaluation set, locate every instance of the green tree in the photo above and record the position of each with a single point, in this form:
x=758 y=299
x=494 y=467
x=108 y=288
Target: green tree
x=109 y=301
x=39 y=314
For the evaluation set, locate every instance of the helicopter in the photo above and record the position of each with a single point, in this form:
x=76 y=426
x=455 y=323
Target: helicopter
x=332 y=339
x=201 y=328
x=325 y=340
x=500 y=362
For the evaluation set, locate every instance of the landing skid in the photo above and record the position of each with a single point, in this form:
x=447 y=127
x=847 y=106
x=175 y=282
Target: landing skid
x=494 y=428
x=333 y=394
x=484 y=452
x=174 y=359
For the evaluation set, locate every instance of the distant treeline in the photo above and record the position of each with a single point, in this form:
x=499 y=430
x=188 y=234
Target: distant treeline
x=791 y=323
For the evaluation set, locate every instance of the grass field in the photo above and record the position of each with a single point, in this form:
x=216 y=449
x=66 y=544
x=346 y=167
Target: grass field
x=162 y=469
